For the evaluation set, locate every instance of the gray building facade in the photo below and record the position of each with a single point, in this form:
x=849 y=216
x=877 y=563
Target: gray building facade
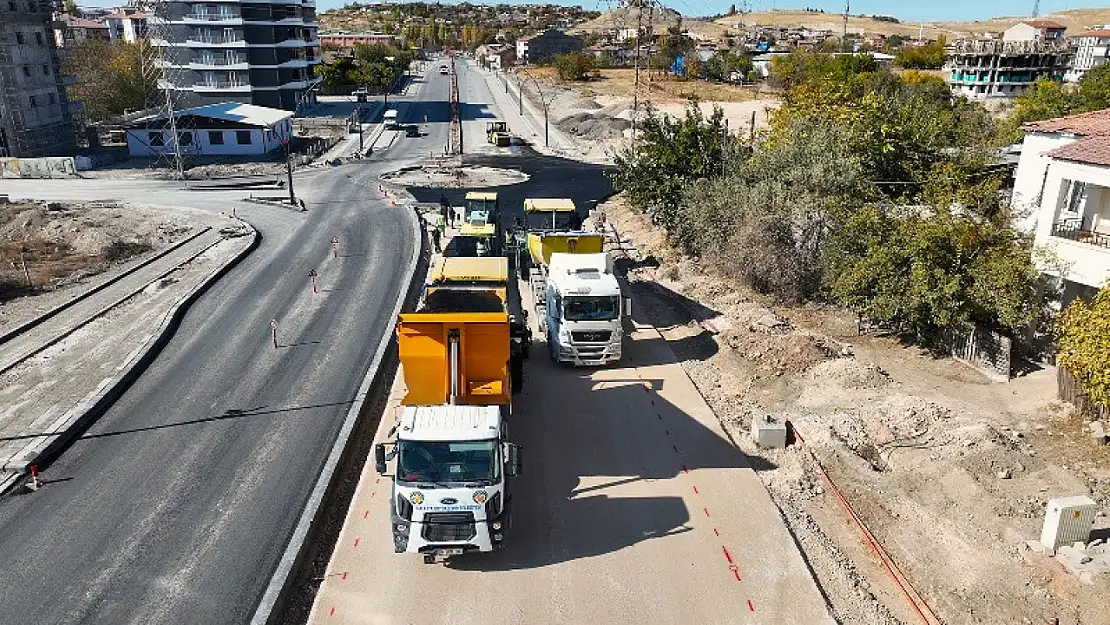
x=545 y=45
x=36 y=119
x=260 y=52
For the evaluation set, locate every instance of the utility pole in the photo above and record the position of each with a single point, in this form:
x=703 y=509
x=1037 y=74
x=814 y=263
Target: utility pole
x=844 y=35
x=289 y=170
x=358 y=120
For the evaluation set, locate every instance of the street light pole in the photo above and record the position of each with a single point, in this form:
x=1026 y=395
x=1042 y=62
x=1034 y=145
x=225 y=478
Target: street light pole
x=358 y=120
x=289 y=171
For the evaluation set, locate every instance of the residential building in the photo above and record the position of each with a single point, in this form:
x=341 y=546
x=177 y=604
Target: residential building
x=545 y=45
x=495 y=55
x=128 y=24
x=348 y=40
x=253 y=52
x=1067 y=179
x=35 y=116
x=227 y=128
x=1092 y=49
x=68 y=29
x=982 y=69
x=1035 y=30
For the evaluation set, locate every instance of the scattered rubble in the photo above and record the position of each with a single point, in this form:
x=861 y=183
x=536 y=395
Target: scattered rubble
x=455 y=177
x=950 y=471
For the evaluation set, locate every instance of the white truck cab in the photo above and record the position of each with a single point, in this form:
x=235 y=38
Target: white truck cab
x=451 y=483
x=584 y=309
x=390 y=118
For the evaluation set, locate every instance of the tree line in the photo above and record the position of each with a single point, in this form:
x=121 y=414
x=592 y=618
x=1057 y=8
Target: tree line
x=867 y=191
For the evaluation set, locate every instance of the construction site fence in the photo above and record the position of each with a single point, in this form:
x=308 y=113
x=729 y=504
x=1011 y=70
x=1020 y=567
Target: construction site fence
x=980 y=347
x=1070 y=389
x=46 y=167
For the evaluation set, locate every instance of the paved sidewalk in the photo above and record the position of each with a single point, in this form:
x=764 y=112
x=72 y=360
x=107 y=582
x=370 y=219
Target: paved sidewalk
x=52 y=373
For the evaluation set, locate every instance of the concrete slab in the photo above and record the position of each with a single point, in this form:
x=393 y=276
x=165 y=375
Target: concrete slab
x=634 y=507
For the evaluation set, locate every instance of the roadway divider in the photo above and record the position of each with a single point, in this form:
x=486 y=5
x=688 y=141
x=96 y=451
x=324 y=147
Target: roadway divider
x=24 y=327
x=289 y=595
x=76 y=421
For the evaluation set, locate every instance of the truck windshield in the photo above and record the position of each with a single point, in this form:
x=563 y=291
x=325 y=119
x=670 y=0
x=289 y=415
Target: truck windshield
x=557 y=221
x=591 y=308
x=448 y=461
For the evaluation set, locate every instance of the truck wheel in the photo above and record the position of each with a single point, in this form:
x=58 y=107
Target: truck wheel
x=516 y=374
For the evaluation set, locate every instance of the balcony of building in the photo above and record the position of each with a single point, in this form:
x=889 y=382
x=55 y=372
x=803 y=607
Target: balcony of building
x=1078 y=226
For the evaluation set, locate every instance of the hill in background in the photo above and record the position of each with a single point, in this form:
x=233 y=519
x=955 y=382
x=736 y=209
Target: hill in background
x=1076 y=21
x=661 y=19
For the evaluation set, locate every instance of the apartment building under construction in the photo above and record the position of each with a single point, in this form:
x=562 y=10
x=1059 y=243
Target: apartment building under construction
x=35 y=116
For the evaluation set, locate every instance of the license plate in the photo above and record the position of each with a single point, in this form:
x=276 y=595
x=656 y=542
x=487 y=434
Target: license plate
x=449 y=552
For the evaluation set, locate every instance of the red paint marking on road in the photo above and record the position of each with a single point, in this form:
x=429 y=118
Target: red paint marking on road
x=715 y=532
x=378 y=480
x=659 y=415
x=735 y=571
x=728 y=556
x=331 y=612
x=373 y=493
x=696 y=490
x=356 y=542
x=365 y=514
x=706 y=510
x=675 y=447
x=667 y=431
x=751 y=606
x=344 y=575
x=684 y=469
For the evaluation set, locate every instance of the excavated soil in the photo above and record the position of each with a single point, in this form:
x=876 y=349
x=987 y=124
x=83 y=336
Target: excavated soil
x=949 y=470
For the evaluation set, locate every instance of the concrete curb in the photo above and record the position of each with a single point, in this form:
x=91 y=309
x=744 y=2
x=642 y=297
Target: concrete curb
x=80 y=417
x=20 y=329
x=329 y=492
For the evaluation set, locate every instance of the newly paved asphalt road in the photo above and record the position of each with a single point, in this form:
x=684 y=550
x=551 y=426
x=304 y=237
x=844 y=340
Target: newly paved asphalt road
x=176 y=505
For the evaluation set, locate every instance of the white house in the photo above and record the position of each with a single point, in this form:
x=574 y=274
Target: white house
x=128 y=25
x=1072 y=185
x=217 y=129
x=1092 y=49
x=1035 y=30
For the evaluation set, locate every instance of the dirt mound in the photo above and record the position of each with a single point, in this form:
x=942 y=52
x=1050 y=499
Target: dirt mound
x=850 y=373
x=593 y=126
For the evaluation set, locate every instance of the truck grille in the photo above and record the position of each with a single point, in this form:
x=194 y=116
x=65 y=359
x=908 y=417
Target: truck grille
x=594 y=336
x=446 y=527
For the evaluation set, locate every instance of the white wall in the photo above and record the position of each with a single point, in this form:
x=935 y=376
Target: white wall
x=262 y=142
x=1084 y=263
x=1030 y=175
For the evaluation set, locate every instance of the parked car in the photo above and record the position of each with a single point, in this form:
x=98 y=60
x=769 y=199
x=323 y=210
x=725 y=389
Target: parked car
x=361 y=95
x=412 y=130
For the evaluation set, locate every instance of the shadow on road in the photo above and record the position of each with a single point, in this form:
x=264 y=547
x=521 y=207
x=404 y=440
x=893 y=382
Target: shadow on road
x=593 y=441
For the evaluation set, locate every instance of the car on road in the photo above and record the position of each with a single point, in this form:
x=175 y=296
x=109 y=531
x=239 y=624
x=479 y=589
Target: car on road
x=412 y=130
x=360 y=95
x=443 y=69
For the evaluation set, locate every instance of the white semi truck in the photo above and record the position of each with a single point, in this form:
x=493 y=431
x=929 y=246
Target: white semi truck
x=584 y=309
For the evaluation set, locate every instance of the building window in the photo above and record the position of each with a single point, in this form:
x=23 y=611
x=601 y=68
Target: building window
x=26 y=71
x=38 y=38
x=53 y=99
x=156 y=139
x=185 y=138
x=216 y=137
x=34 y=104
x=18 y=35
x=32 y=7
x=45 y=70
x=243 y=137
x=11 y=7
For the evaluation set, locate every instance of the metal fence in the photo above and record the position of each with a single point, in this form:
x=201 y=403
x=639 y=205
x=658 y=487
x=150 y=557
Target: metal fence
x=980 y=347
x=1069 y=389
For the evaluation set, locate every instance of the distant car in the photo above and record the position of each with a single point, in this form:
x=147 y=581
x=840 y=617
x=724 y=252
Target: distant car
x=360 y=95
x=443 y=69
x=412 y=130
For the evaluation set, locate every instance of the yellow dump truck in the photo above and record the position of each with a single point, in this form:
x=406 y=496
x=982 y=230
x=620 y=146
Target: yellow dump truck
x=551 y=215
x=454 y=465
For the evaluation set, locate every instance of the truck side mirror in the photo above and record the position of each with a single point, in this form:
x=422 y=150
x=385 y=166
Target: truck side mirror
x=512 y=460
x=627 y=306
x=379 y=458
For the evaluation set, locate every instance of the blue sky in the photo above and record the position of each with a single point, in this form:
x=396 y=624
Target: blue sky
x=910 y=11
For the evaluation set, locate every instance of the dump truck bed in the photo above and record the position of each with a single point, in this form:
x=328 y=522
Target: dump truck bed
x=542 y=246
x=424 y=341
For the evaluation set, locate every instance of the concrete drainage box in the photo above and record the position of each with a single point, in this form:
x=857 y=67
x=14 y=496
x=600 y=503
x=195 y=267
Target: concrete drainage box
x=768 y=433
x=1068 y=520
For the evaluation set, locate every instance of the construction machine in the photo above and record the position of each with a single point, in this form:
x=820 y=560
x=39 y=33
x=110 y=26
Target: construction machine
x=497 y=133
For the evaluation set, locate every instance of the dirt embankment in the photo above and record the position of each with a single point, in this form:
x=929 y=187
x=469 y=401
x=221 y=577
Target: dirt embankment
x=46 y=246
x=950 y=471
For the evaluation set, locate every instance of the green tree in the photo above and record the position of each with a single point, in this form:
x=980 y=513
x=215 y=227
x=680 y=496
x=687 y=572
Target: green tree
x=339 y=73
x=798 y=68
x=1093 y=92
x=928 y=56
x=112 y=77
x=1083 y=334
x=70 y=7
x=575 y=65
x=1044 y=100
x=668 y=154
